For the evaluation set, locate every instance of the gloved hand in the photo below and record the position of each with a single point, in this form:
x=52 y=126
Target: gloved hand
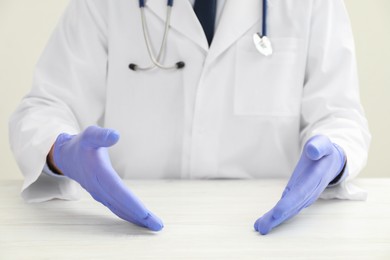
x=321 y=161
x=84 y=158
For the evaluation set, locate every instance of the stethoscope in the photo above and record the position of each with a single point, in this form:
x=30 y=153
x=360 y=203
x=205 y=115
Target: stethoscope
x=260 y=40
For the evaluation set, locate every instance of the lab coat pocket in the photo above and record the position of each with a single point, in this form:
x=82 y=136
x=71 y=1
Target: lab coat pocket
x=268 y=86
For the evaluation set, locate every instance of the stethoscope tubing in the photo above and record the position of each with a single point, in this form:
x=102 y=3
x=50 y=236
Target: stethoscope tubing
x=142 y=3
x=265 y=14
x=178 y=65
x=156 y=60
x=163 y=44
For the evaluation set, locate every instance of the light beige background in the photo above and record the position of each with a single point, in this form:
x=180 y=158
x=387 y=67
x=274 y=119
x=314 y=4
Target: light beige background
x=26 y=25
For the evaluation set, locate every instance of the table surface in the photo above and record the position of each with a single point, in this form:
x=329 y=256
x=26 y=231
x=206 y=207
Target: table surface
x=203 y=220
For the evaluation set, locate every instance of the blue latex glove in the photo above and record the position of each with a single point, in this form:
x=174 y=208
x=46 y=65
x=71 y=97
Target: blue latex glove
x=321 y=161
x=84 y=158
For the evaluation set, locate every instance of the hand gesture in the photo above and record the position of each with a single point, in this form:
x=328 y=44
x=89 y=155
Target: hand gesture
x=84 y=158
x=321 y=161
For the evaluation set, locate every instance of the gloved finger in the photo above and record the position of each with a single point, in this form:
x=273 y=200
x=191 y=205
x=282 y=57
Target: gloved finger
x=116 y=211
x=318 y=147
x=267 y=222
x=95 y=137
x=125 y=217
x=152 y=222
x=286 y=190
x=297 y=197
x=296 y=175
x=263 y=224
x=118 y=194
x=294 y=200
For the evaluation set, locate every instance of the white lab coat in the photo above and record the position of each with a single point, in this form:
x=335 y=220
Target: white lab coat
x=231 y=113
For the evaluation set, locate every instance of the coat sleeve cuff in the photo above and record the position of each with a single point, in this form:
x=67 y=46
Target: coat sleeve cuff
x=50 y=186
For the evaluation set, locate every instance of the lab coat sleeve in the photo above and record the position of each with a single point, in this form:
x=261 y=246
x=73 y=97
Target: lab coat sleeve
x=67 y=95
x=331 y=102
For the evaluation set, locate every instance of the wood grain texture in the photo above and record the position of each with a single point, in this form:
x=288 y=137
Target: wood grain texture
x=203 y=220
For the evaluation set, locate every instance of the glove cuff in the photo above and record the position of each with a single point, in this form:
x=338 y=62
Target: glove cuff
x=340 y=177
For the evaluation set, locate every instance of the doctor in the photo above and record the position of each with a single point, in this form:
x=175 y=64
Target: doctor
x=193 y=97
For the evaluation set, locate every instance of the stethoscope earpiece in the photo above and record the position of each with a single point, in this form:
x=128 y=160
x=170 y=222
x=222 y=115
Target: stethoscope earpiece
x=180 y=65
x=133 y=66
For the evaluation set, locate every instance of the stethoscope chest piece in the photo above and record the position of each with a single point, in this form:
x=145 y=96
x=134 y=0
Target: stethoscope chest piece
x=262 y=44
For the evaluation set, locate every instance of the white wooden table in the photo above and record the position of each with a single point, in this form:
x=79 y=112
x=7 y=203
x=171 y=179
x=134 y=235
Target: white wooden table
x=203 y=220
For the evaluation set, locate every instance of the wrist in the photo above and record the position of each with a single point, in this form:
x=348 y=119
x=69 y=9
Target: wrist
x=50 y=162
x=343 y=172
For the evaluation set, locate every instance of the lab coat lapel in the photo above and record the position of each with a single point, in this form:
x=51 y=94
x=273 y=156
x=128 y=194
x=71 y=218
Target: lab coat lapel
x=237 y=18
x=183 y=19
